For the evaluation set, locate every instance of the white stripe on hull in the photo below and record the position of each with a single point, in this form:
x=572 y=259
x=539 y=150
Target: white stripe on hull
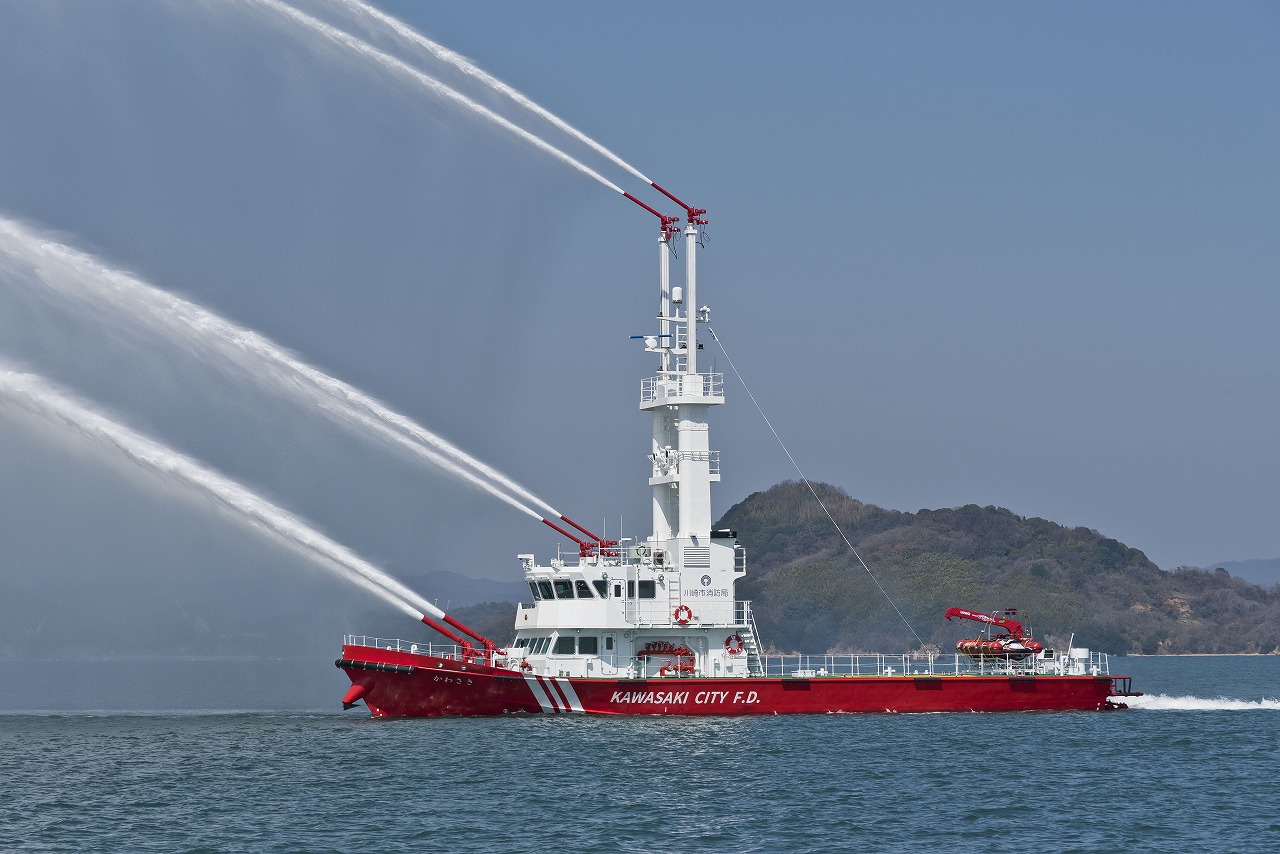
x=571 y=696
x=535 y=685
x=557 y=693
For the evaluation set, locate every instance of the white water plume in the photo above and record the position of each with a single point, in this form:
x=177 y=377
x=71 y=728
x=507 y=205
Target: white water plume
x=469 y=68
x=429 y=83
x=80 y=277
x=1164 y=702
x=37 y=397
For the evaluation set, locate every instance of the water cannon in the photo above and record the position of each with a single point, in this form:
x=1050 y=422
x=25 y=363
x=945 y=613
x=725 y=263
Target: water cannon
x=668 y=226
x=586 y=548
x=469 y=651
x=695 y=214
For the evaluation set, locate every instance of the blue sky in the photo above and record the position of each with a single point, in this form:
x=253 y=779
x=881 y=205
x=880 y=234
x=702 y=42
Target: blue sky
x=994 y=253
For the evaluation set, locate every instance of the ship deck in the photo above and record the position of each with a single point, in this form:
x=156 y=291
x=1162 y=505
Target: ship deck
x=842 y=665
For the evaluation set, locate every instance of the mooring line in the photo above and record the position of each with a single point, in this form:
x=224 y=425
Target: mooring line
x=817 y=497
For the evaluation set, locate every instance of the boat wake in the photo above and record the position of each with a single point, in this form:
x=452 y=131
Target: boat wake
x=1166 y=703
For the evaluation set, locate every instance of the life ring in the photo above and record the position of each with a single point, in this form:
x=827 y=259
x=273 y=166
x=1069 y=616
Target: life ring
x=642 y=551
x=733 y=644
x=683 y=614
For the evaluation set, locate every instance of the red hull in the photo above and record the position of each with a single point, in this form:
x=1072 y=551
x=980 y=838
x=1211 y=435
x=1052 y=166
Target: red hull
x=401 y=684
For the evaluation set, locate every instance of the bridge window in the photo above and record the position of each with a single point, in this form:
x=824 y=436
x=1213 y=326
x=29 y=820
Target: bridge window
x=564 y=588
x=544 y=587
x=533 y=588
x=602 y=587
x=564 y=646
x=535 y=646
x=584 y=592
x=648 y=589
x=588 y=645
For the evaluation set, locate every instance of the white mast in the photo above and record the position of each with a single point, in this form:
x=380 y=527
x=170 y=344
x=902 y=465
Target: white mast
x=664 y=302
x=691 y=293
x=684 y=466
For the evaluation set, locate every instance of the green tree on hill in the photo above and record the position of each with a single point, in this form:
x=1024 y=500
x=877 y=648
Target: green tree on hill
x=810 y=593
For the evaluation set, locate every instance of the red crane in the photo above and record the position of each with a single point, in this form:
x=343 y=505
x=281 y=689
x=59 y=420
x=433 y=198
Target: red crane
x=1013 y=644
x=1012 y=626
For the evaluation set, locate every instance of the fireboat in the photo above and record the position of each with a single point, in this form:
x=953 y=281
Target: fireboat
x=653 y=625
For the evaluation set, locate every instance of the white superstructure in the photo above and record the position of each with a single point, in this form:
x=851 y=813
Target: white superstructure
x=663 y=605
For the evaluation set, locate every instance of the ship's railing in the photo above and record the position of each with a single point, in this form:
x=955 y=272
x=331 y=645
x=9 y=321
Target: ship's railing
x=707 y=612
x=681 y=385
x=921 y=664
x=669 y=461
x=440 y=650
x=853 y=664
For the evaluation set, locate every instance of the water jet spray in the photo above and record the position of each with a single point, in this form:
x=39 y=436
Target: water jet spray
x=37 y=397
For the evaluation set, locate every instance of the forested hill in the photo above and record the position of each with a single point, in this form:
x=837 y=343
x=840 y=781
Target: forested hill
x=811 y=594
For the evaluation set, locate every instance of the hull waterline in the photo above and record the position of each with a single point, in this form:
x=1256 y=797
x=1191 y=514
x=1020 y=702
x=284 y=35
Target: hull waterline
x=399 y=684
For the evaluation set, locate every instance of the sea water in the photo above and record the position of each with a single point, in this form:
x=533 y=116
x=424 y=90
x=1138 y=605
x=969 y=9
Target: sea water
x=1193 y=766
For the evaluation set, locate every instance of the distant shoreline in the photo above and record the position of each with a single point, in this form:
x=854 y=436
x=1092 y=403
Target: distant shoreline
x=152 y=659
x=1199 y=654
